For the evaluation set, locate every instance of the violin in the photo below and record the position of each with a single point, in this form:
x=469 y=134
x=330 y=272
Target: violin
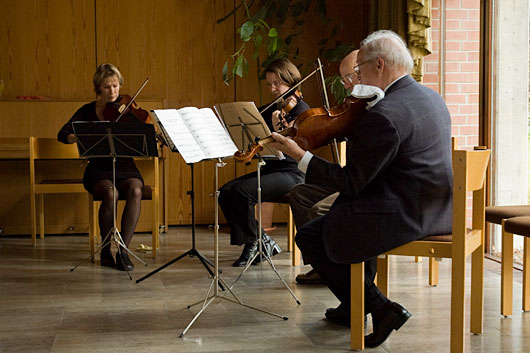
x=287 y=106
x=125 y=109
x=316 y=127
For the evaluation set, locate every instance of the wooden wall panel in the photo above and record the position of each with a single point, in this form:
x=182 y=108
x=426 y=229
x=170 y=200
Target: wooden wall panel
x=181 y=48
x=47 y=48
x=51 y=48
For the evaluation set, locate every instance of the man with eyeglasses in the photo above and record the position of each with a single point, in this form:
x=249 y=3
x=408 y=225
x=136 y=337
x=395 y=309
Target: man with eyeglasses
x=396 y=186
x=309 y=201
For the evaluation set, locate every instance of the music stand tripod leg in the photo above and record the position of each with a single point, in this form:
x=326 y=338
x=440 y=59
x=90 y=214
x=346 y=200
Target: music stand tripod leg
x=217 y=279
x=260 y=252
x=193 y=252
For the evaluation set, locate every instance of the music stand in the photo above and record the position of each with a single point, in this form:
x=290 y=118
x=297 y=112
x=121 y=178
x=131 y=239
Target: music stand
x=104 y=139
x=217 y=280
x=193 y=252
x=246 y=125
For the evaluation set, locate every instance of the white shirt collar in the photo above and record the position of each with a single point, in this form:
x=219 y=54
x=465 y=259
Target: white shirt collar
x=391 y=83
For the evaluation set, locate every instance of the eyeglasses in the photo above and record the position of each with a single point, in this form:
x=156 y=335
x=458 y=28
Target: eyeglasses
x=347 y=79
x=356 y=67
x=275 y=84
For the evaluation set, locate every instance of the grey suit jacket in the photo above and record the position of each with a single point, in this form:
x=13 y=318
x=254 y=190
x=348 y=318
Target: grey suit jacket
x=396 y=186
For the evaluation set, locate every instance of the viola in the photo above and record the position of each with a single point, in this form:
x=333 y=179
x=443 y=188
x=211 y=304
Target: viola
x=125 y=109
x=316 y=127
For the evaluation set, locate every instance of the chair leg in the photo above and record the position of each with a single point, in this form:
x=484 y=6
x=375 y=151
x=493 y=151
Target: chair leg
x=357 y=306
x=296 y=256
x=477 y=290
x=33 y=219
x=457 y=301
x=526 y=274
x=382 y=273
x=295 y=252
x=91 y=228
x=506 y=273
x=290 y=231
x=41 y=215
x=155 y=228
x=434 y=266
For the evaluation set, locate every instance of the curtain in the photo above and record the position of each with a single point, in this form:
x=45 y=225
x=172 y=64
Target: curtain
x=411 y=19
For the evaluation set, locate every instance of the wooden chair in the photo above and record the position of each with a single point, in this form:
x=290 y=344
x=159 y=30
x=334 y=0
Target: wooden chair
x=149 y=192
x=48 y=149
x=291 y=232
x=469 y=174
x=510 y=226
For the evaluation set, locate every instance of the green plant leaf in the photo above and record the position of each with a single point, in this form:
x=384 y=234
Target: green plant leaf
x=257 y=40
x=226 y=79
x=273 y=32
x=338 y=52
x=246 y=31
x=239 y=66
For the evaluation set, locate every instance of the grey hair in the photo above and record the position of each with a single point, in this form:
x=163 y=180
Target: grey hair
x=389 y=46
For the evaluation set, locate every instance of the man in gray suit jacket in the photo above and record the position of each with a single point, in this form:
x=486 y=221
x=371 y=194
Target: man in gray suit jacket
x=396 y=186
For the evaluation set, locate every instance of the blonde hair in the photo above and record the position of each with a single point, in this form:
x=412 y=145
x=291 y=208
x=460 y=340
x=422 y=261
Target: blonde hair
x=102 y=72
x=286 y=71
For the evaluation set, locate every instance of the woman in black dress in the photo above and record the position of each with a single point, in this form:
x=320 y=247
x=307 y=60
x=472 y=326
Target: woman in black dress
x=238 y=197
x=97 y=179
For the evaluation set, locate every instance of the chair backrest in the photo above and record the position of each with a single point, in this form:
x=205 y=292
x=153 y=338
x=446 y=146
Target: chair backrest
x=14 y=148
x=469 y=175
x=50 y=148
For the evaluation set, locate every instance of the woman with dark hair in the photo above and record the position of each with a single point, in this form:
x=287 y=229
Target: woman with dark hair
x=97 y=178
x=238 y=197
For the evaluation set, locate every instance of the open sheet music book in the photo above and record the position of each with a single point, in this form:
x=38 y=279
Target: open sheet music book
x=197 y=134
x=244 y=124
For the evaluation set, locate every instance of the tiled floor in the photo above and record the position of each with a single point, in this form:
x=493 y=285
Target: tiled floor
x=47 y=308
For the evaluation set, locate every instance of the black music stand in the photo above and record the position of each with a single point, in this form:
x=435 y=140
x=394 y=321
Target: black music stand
x=104 y=139
x=193 y=252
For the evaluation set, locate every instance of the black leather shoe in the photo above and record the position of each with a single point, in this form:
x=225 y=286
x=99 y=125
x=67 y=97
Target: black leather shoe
x=312 y=277
x=248 y=253
x=341 y=316
x=123 y=263
x=392 y=319
x=106 y=259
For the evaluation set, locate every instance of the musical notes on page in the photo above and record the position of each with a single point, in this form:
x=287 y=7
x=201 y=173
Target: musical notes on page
x=196 y=134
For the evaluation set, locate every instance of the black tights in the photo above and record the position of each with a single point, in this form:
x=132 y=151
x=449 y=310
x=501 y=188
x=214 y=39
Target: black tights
x=131 y=189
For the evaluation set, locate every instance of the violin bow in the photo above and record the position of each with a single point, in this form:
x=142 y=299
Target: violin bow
x=291 y=90
x=132 y=99
x=322 y=84
x=325 y=102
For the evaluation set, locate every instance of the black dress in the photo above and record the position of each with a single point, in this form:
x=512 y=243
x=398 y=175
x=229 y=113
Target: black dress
x=98 y=168
x=238 y=197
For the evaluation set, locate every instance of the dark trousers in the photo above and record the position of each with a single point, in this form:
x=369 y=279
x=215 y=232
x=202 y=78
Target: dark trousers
x=337 y=276
x=238 y=197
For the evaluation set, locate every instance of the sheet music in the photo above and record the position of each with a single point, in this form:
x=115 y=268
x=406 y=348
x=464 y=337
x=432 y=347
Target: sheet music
x=197 y=134
x=236 y=113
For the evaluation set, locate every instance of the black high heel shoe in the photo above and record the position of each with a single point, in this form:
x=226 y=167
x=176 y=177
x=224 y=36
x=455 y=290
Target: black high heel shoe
x=270 y=247
x=105 y=258
x=123 y=263
x=248 y=253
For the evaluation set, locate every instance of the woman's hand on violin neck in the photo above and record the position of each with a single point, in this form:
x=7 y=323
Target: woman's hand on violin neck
x=278 y=122
x=287 y=146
